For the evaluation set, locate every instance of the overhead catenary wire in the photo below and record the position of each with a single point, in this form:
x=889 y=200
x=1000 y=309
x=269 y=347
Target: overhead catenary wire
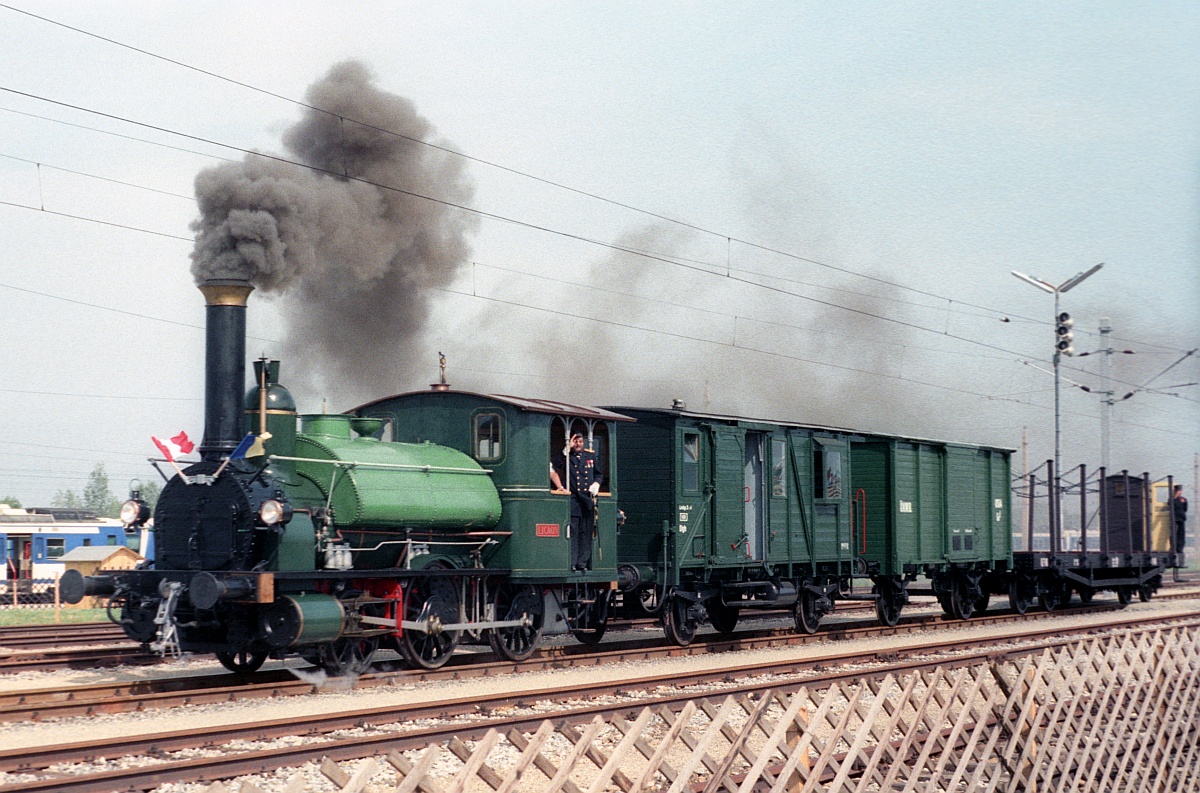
x=710 y=270
x=342 y=118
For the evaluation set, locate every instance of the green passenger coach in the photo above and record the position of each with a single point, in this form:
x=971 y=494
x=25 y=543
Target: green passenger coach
x=726 y=513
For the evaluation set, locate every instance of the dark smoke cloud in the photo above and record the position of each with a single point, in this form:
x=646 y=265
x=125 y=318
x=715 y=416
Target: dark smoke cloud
x=351 y=263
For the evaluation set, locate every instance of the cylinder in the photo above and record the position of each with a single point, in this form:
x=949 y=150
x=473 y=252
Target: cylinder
x=224 y=365
x=302 y=619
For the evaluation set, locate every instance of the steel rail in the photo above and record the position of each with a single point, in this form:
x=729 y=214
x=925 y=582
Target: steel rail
x=264 y=761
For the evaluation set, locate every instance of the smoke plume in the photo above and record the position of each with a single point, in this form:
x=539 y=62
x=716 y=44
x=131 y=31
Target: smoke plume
x=350 y=245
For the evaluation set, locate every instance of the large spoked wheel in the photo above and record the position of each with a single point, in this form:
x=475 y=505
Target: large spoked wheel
x=348 y=656
x=518 y=642
x=808 y=617
x=723 y=618
x=432 y=602
x=678 y=622
x=1018 y=597
x=888 y=603
x=590 y=618
x=962 y=604
x=242 y=662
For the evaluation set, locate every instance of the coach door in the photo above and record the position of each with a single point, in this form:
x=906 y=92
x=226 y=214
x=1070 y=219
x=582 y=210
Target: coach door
x=755 y=495
x=830 y=513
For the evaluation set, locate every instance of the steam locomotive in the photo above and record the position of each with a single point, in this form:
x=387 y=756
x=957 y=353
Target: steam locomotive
x=423 y=520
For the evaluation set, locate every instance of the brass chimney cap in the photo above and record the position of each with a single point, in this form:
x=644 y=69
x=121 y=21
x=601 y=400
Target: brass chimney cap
x=226 y=291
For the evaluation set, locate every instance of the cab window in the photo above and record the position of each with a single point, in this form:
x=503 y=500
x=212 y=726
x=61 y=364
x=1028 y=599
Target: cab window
x=487 y=436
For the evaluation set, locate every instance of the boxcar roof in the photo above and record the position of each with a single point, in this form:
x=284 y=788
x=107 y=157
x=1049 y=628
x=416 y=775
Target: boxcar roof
x=798 y=425
x=523 y=403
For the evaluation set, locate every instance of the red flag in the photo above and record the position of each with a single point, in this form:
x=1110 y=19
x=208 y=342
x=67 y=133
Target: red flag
x=185 y=445
x=162 y=447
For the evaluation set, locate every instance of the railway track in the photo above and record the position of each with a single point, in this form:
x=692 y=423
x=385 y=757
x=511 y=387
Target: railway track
x=80 y=633
x=111 y=698
x=462 y=717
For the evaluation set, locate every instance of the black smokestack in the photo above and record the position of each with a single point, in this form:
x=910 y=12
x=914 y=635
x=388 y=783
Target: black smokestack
x=352 y=244
x=224 y=364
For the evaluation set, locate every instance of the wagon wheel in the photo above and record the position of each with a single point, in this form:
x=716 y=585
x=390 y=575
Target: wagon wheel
x=349 y=656
x=1051 y=598
x=1086 y=594
x=981 y=603
x=432 y=602
x=962 y=605
x=590 y=615
x=723 y=618
x=516 y=643
x=242 y=662
x=1018 y=598
x=944 y=600
x=1145 y=593
x=888 y=603
x=1124 y=595
x=678 y=622
x=808 y=618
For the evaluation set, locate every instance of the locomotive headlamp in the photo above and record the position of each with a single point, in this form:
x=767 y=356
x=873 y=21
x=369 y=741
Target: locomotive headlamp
x=135 y=512
x=272 y=512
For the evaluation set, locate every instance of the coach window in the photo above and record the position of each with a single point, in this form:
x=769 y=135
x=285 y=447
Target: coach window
x=827 y=473
x=487 y=436
x=778 y=467
x=691 y=461
x=55 y=547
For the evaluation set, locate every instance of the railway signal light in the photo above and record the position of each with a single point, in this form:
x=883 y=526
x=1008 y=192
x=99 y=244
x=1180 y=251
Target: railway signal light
x=1062 y=331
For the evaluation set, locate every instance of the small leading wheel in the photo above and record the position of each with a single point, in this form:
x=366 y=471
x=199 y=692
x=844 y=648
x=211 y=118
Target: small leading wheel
x=962 y=604
x=590 y=618
x=348 y=656
x=1018 y=598
x=242 y=662
x=888 y=604
x=1145 y=593
x=432 y=602
x=808 y=618
x=723 y=618
x=1124 y=595
x=678 y=622
x=517 y=642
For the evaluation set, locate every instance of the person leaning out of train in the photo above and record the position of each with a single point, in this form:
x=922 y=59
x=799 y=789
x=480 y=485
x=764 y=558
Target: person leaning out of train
x=1179 y=506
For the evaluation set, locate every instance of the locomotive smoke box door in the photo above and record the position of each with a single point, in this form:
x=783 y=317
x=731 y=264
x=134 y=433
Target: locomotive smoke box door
x=754 y=489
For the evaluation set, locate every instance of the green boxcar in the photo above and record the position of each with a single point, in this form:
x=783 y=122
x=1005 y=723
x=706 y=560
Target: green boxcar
x=938 y=509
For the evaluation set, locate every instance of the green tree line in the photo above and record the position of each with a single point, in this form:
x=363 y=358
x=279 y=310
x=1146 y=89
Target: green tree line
x=97 y=495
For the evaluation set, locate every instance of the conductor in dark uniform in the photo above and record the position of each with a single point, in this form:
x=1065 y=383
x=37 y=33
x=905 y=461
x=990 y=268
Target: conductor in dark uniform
x=583 y=480
x=1179 y=507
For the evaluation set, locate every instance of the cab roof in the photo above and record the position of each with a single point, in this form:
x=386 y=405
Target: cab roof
x=522 y=403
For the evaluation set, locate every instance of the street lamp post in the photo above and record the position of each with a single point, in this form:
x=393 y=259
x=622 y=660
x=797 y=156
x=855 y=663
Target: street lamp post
x=1062 y=346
